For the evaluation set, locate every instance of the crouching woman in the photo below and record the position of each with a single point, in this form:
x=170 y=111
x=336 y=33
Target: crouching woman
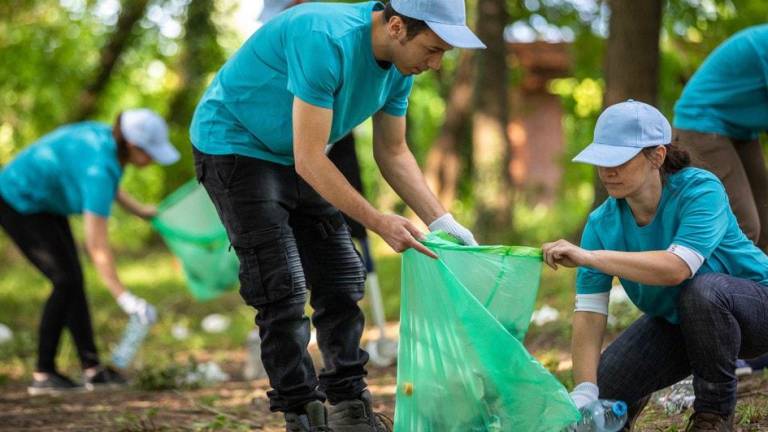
x=668 y=233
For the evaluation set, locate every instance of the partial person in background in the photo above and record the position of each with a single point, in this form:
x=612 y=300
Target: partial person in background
x=667 y=232
x=718 y=119
x=76 y=169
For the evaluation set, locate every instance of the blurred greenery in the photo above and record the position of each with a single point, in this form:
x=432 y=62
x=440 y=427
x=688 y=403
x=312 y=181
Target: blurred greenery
x=51 y=50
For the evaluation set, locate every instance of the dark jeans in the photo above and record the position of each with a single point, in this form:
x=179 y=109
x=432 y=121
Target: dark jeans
x=46 y=240
x=721 y=318
x=289 y=239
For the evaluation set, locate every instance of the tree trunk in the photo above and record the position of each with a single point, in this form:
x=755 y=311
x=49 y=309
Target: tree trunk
x=489 y=124
x=443 y=166
x=201 y=55
x=632 y=57
x=130 y=13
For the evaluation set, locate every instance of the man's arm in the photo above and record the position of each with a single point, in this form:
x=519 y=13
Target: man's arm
x=311 y=129
x=399 y=167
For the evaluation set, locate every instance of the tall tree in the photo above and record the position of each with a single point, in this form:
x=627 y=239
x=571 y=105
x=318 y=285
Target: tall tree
x=443 y=166
x=489 y=123
x=201 y=55
x=130 y=13
x=632 y=57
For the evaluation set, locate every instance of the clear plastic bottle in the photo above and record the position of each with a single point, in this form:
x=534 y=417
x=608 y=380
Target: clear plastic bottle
x=601 y=416
x=133 y=336
x=677 y=397
x=254 y=368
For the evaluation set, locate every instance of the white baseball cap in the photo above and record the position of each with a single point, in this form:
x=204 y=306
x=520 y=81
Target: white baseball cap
x=149 y=132
x=622 y=131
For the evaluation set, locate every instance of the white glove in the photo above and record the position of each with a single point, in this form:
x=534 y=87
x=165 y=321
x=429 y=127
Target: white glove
x=133 y=305
x=584 y=394
x=448 y=224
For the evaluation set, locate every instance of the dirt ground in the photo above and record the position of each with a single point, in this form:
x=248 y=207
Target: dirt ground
x=242 y=406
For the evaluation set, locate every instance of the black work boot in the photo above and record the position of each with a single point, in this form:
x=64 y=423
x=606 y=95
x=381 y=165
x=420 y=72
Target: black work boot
x=313 y=419
x=709 y=422
x=356 y=415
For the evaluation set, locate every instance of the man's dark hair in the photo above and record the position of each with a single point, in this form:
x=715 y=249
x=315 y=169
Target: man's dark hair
x=412 y=26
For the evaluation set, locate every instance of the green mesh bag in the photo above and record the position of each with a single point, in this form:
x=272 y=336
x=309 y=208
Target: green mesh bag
x=190 y=226
x=462 y=366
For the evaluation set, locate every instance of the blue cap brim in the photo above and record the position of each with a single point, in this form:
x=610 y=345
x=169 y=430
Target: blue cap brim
x=606 y=155
x=459 y=36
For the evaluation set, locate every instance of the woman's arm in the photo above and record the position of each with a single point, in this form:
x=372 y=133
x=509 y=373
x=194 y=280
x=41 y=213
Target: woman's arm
x=660 y=268
x=97 y=244
x=134 y=207
x=586 y=342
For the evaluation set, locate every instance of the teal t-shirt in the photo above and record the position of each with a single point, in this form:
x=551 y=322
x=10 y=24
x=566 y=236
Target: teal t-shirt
x=72 y=170
x=318 y=52
x=693 y=212
x=728 y=94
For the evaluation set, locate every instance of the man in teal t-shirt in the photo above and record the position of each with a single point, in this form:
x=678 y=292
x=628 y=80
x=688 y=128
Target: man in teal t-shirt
x=260 y=136
x=721 y=112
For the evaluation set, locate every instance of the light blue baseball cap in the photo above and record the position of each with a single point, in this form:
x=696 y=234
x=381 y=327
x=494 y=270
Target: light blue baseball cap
x=447 y=18
x=622 y=131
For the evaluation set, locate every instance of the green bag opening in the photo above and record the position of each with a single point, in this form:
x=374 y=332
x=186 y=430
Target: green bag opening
x=462 y=366
x=190 y=226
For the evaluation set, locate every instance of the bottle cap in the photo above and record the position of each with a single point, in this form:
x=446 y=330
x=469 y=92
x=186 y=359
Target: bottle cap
x=619 y=408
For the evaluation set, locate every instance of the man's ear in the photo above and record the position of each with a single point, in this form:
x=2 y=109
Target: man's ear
x=396 y=28
x=660 y=155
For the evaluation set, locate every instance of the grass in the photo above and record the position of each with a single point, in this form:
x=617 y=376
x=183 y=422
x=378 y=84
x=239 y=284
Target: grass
x=156 y=276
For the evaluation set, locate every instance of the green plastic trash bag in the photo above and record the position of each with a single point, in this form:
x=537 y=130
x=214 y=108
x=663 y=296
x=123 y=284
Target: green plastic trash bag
x=190 y=226
x=461 y=364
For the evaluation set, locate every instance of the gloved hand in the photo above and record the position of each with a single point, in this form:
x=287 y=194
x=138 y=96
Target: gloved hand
x=584 y=394
x=131 y=305
x=448 y=224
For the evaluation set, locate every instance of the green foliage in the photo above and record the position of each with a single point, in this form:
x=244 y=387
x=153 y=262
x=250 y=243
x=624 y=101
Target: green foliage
x=751 y=413
x=166 y=377
x=222 y=423
x=142 y=422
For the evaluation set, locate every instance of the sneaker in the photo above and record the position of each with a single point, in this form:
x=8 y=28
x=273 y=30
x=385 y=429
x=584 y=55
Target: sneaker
x=314 y=419
x=53 y=384
x=103 y=377
x=709 y=422
x=357 y=416
x=743 y=368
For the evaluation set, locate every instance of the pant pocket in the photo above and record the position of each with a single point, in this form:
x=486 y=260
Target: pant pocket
x=268 y=270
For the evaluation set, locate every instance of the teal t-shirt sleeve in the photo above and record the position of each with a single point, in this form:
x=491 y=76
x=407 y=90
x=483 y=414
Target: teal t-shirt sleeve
x=314 y=68
x=703 y=217
x=588 y=280
x=397 y=104
x=98 y=191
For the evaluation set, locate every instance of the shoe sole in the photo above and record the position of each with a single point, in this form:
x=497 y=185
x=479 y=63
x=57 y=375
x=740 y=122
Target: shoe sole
x=101 y=387
x=36 y=391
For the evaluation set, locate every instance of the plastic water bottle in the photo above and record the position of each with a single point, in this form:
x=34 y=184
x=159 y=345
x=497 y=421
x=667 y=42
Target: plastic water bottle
x=254 y=369
x=601 y=416
x=677 y=397
x=133 y=336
